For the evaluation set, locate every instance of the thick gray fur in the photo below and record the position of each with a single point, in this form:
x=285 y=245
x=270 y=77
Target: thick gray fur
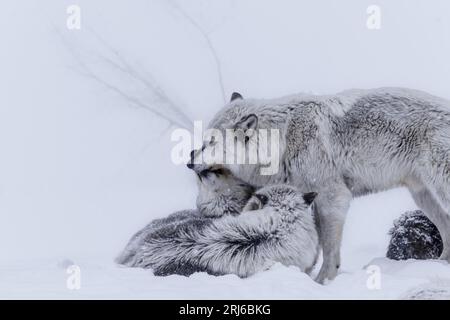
x=351 y=144
x=219 y=194
x=130 y=254
x=279 y=229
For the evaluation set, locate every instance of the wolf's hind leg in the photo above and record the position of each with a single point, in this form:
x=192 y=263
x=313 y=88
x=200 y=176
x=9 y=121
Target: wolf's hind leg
x=432 y=205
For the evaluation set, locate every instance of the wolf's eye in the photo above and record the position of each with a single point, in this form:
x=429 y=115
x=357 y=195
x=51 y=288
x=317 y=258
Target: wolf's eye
x=218 y=172
x=262 y=198
x=252 y=206
x=204 y=173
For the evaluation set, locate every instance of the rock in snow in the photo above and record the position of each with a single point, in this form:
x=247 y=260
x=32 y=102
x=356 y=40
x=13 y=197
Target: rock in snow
x=414 y=236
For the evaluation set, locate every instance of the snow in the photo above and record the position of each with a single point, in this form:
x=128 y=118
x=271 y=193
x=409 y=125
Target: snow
x=101 y=279
x=82 y=169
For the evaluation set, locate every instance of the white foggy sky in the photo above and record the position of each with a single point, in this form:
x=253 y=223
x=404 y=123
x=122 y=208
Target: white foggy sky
x=80 y=169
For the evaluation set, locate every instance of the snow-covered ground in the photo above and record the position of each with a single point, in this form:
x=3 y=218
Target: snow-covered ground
x=83 y=165
x=363 y=276
x=100 y=279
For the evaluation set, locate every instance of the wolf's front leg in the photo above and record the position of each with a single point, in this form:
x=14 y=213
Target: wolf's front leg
x=331 y=209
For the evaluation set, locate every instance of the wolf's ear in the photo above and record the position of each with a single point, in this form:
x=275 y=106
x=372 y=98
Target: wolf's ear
x=236 y=96
x=309 y=197
x=248 y=122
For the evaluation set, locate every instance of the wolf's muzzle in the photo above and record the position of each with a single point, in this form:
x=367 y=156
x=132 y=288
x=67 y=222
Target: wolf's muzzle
x=191 y=164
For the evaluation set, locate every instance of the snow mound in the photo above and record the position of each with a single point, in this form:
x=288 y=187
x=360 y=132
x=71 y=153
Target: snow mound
x=100 y=278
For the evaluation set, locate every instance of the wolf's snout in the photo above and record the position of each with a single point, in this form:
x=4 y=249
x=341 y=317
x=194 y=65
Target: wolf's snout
x=195 y=162
x=191 y=164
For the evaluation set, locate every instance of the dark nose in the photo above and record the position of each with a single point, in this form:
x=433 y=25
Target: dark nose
x=190 y=164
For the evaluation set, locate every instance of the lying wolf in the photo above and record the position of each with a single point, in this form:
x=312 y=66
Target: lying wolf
x=347 y=145
x=219 y=194
x=277 y=225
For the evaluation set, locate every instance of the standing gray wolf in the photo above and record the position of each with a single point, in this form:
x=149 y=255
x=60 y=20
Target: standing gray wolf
x=347 y=145
x=414 y=236
x=277 y=225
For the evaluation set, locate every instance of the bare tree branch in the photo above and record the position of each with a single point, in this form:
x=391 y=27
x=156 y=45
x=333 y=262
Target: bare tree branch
x=124 y=67
x=132 y=99
x=208 y=43
x=149 y=82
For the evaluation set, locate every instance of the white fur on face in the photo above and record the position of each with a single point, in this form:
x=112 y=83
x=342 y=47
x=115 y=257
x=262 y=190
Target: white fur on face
x=239 y=149
x=221 y=193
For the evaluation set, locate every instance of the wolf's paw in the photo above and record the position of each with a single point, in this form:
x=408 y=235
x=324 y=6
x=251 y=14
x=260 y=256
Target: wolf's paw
x=326 y=274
